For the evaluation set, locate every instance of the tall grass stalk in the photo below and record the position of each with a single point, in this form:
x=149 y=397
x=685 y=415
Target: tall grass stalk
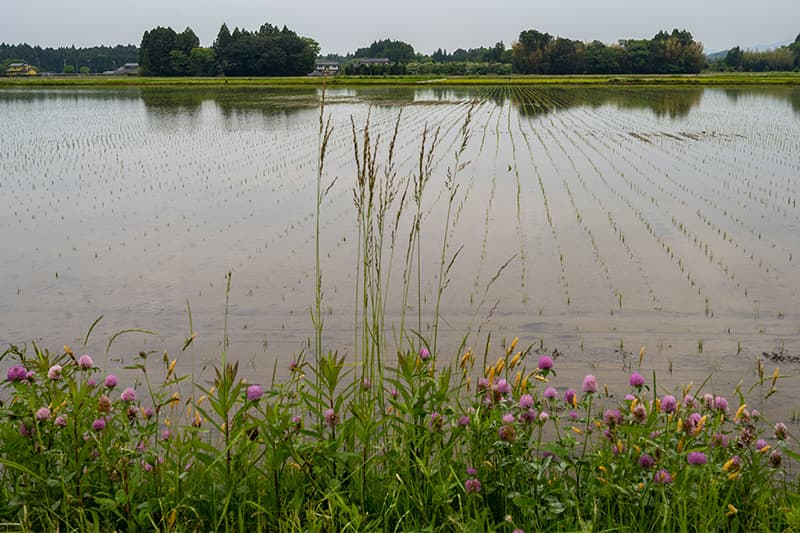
x=451 y=186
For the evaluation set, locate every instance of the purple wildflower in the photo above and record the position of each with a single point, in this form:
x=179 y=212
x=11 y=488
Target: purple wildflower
x=781 y=431
x=148 y=412
x=502 y=386
x=254 y=393
x=637 y=380
x=690 y=402
x=60 y=421
x=472 y=486
x=545 y=363
x=589 y=384
x=507 y=433
x=508 y=418
x=569 y=396
x=629 y=397
x=128 y=395
x=696 y=458
x=483 y=384
x=472 y=471
x=85 y=362
x=646 y=461
x=16 y=373
x=297 y=422
x=775 y=459
x=99 y=424
x=528 y=416
x=25 y=431
x=544 y=416
x=331 y=418
x=54 y=372
x=424 y=354
x=165 y=435
x=691 y=422
x=550 y=393
x=525 y=401
x=612 y=418
x=719 y=440
x=294 y=366
x=30 y=376
x=640 y=413
x=708 y=399
x=663 y=477
x=669 y=404
x=43 y=414
x=618 y=448
x=721 y=404
x=463 y=420
x=110 y=382
x=761 y=444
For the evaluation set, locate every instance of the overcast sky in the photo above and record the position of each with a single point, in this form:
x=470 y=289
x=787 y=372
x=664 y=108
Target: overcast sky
x=344 y=25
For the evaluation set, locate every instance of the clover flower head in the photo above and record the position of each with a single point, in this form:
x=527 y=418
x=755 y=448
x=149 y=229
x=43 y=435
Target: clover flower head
x=85 y=362
x=331 y=418
x=472 y=486
x=254 y=393
x=669 y=403
x=128 y=395
x=636 y=380
x=663 y=477
x=16 y=373
x=696 y=458
x=545 y=363
x=43 y=414
x=54 y=372
x=646 y=461
x=525 y=401
x=589 y=384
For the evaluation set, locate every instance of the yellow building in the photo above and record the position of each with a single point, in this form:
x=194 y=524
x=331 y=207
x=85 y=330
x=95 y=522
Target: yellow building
x=20 y=69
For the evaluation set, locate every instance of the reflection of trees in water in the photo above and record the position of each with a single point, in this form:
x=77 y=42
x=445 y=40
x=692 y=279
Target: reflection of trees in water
x=673 y=102
x=187 y=103
x=791 y=95
x=35 y=94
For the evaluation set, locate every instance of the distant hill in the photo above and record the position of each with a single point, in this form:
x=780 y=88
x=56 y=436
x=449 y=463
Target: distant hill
x=716 y=56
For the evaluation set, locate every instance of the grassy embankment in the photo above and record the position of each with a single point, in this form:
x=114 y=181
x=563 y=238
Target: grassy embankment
x=708 y=79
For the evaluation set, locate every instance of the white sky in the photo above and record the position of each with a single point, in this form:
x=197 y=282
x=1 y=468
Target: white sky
x=344 y=25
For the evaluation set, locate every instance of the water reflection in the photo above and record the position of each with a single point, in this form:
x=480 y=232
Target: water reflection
x=790 y=95
x=664 y=102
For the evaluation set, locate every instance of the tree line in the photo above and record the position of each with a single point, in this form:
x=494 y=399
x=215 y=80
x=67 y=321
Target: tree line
x=781 y=59
x=666 y=53
x=268 y=51
x=274 y=51
x=69 y=59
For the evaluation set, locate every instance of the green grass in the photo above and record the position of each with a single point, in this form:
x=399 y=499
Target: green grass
x=705 y=79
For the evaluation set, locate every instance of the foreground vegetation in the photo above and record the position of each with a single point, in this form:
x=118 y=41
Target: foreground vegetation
x=323 y=451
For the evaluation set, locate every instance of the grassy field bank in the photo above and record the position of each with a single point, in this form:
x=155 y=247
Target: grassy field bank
x=715 y=79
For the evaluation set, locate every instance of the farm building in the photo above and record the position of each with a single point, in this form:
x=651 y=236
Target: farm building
x=20 y=69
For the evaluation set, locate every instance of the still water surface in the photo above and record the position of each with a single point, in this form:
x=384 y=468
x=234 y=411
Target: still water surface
x=625 y=218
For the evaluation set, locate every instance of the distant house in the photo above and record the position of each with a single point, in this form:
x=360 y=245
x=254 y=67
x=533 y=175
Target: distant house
x=369 y=61
x=128 y=69
x=20 y=69
x=325 y=68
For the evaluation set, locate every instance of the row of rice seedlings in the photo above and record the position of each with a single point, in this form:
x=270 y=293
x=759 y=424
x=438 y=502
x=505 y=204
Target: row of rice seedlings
x=758 y=261
x=620 y=236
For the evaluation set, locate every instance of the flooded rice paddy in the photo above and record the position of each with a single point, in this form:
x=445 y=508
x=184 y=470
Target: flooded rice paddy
x=628 y=217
